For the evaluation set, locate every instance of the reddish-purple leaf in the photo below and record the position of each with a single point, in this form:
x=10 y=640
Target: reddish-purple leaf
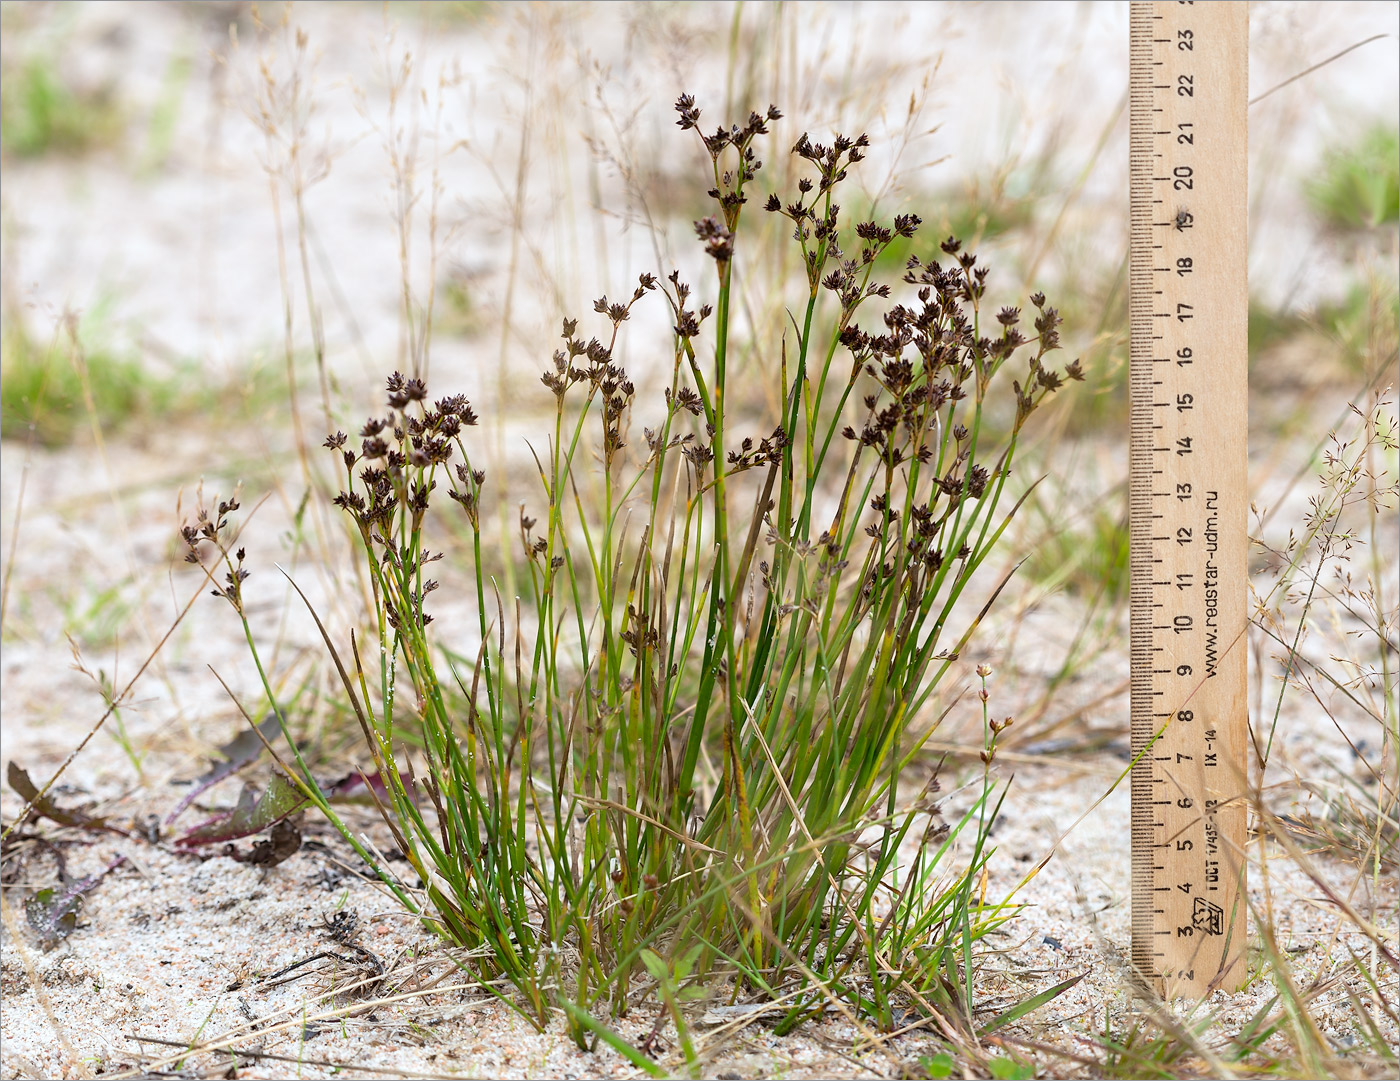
x=252 y=815
x=243 y=749
x=345 y=789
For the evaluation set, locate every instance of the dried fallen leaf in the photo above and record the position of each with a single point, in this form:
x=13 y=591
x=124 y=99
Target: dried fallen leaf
x=42 y=805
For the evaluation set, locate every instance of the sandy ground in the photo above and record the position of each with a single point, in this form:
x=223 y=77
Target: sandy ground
x=179 y=947
x=184 y=949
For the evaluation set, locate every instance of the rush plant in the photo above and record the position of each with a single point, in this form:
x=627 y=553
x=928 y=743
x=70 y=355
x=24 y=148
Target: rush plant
x=694 y=744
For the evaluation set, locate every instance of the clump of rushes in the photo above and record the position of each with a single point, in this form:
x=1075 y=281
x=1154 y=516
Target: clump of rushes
x=693 y=747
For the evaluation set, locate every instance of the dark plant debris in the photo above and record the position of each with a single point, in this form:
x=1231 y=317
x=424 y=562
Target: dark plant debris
x=343 y=929
x=53 y=911
x=281 y=844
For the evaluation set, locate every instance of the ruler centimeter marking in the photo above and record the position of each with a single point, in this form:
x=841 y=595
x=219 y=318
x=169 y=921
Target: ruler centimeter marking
x=1188 y=492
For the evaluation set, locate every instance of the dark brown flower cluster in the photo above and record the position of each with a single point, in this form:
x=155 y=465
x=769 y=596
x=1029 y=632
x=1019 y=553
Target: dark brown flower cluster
x=687 y=321
x=930 y=355
x=596 y=358
x=619 y=313
x=208 y=529
x=769 y=451
x=733 y=136
x=591 y=364
x=831 y=161
x=728 y=192
x=717 y=238
x=398 y=456
x=639 y=632
x=534 y=546
x=699 y=455
x=952 y=357
x=684 y=398
x=817 y=228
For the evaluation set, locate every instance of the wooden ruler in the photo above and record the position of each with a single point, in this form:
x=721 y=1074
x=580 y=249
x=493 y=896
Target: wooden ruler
x=1188 y=493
